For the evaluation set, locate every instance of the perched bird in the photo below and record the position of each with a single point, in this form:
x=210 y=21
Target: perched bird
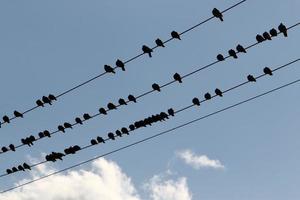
x=267 y=36
x=216 y=13
x=24 y=142
x=111 y=106
x=50 y=158
x=100 y=140
x=125 y=131
x=156 y=87
x=251 y=78
x=132 y=98
x=122 y=102
x=4 y=149
x=86 y=116
x=68 y=125
x=171 y=112
x=147 y=50
x=52 y=97
x=232 y=53
x=196 y=101
x=26 y=166
x=240 y=49
x=220 y=57
x=6 y=119
x=21 y=168
x=61 y=128
x=207 y=96
x=58 y=155
x=177 y=77
x=102 y=111
x=41 y=135
x=47 y=133
x=12 y=147
x=78 y=120
x=18 y=114
x=118 y=133
x=131 y=127
x=268 y=71
x=282 y=28
x=163 y=115
x=218 y=92
x=259 y=38
x=14 y=169
x=9 y=171
x=111 y=136
x=120 y=64
x=159 y=43
x=94 y=142
x=175 y=35
x=46 y=100
x=273 y=32
x=76 y=148
x=31 y=139
x=39 y=103
x=109 y=69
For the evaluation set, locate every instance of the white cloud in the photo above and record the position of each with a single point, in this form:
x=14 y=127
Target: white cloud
x=199 y=161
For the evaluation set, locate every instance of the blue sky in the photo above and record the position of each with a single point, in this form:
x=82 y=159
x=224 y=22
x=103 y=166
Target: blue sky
x=50 y=46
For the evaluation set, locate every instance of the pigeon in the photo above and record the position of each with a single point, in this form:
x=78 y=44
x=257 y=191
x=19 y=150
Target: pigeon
x=94 y=142
x=26 y=166
x=268 y=71
x=241 y=49
x=18 y=114
x=78 y=120
x=47 y=133
x=120 y=64
x=58 y=155
x=46 y=100
x=267 y=36
x=61 y=128
x=76 y=148
x=9 y=171
x=25 y=141
x=232 y=53
x=111 y=136
x=282 y=28
x=67 y=151
x=100 y=140
x=102 y=111
x=163 y=115
x=122 y=102
x=216 y=13
x=109 y=69
x=118 y=133
x=6 y=119
x=86 y=116
x=4 y=149
x=131 y=127
x=159 y=43
x=52 y=97
x=39 y=103
x=156 y=87
x=260 y=38
x=147 y=50
x=177 y=77
x=50 y=158
x=111 y=106
x=132 y=98
x=14 y=169
x=31 y=139
x=68 y=125
x=138 y=124
x=21 y=168
x=220 y=57
x=175 y=35
x=207 y=96
x=12 y=147
x=41 y=135
x=125 y=131
x=196 y=101
x=251 y=78
x=171 y=112
x=218 y=92
x=273 y=32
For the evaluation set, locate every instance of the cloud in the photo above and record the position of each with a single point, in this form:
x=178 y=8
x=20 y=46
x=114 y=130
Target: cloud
x=198 y=161
x=104 y=180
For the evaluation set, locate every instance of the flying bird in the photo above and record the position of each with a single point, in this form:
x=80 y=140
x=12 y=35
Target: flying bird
x=241 y=49
x=268 y=71
x=39 y=103
x=282 y=28
x=12 y=147
x=102 y=111
x=111 y=136
x=86 y=116
x=132 y=98
x=232 y=53
x=147 y=50
x=175 y=35
x=216 y=13
x=46 y=100
x=177 y=77
x=122 y=102
x=61 y=128
x=273 y=32
x=111 y=106
x=218 y=92
x=259 y=38
x=78 y=120
x=6 y=119
x=171 y=112
x=207 y=96
x=18 y=114
x=109 y=69
x=156 y=87
x=267 y=36
x=196 y=101
x=251 y=78
x=220 y=57
x=68 y=125
x=120 y=64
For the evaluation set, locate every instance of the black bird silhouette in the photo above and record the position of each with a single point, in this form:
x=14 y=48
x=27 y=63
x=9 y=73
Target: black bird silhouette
x=196 y=101
x=175 y=35
x=12 y=147
x=259 y=38
x=207 y=96
x=282 y=28
x=61 y=128
x=156 y=87
x=251 y=78
x=267 y=36
x=39 y=103
x=118 y=133
x=273 y=32
x=162 y=115
x=241 y=49
x=41 y=135
x=28 y=141
x=159 y=43
x=6 y=119
x=78 y=120
x=217 y=14
x=94 y=142
x=268 y=71
x=31 y=139
x=26 y=166
x=21 y=168
x=125 y=131
x=120 y=64
x=50 y=158
x=100 y=140
x=132 y=98
x=131 y=127
x=4 y=149
x=9 y=171
x=232 y=53
x=46 y=100
x=52 y=97
x=220 y=57
x=111 y=136
x=147 y=50
x=122 y=102
x=102 y=111
x=24 y=141
x=177 y=77
x=218 y=92
x=171 y=112
x=68 y=125
x=47 y=133
x=58 y=155
x=76 y=148
x=14 y=169
x=86 y=116
x=18 y=114
x=111 y=106
x=109 y=69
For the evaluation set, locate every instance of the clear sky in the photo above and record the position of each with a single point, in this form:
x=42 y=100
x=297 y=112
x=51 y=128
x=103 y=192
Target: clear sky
x=50 y=46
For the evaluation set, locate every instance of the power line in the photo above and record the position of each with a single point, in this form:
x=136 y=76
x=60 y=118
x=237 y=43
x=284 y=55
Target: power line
x=125 y=62
x=154 y=136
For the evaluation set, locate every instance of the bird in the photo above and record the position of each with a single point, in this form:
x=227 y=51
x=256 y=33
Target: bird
x=171 y=112
x=100 y=140
x=94 y=142
x=78 y=120
x=18 y=114
x=111 y=106
x=26 y=166
x=147 y=50
x=86 y=116
x=259 y=38
x=216 y=13
x=46 y=100
x=118 y=133
x=61 y=128
x=120 y=64
x=125 y=131
x=68 y=125
x=39 y=103
x=132 y=98
x=220 y=57
x=131 y=127
x=268 y=71
x=251 y=78
x=109 y=69
x=102 y=111
x=241 y=49
x=47 y=133
x=58 y=155
x=4 y=149
x=50 y=158
x=122 y=102
x=177 y=77
x=52 y=97
x=196 y=101
x=163 y=115
x=282 y=28
x=156 y=87
x=21 y=168
x=76 y=148
x=41 y=134
x=14 y=169
x=232 y=53
x=111 y=136
x=24 y=142
x=267 y=36
x=138 y=124
x=6 y=119
x=218 y=92
x=31 y=139
x=159 y=43
x=273 y=32
x=175 y=35
x=9 y=171
x=207 y=96
x=12 y=147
